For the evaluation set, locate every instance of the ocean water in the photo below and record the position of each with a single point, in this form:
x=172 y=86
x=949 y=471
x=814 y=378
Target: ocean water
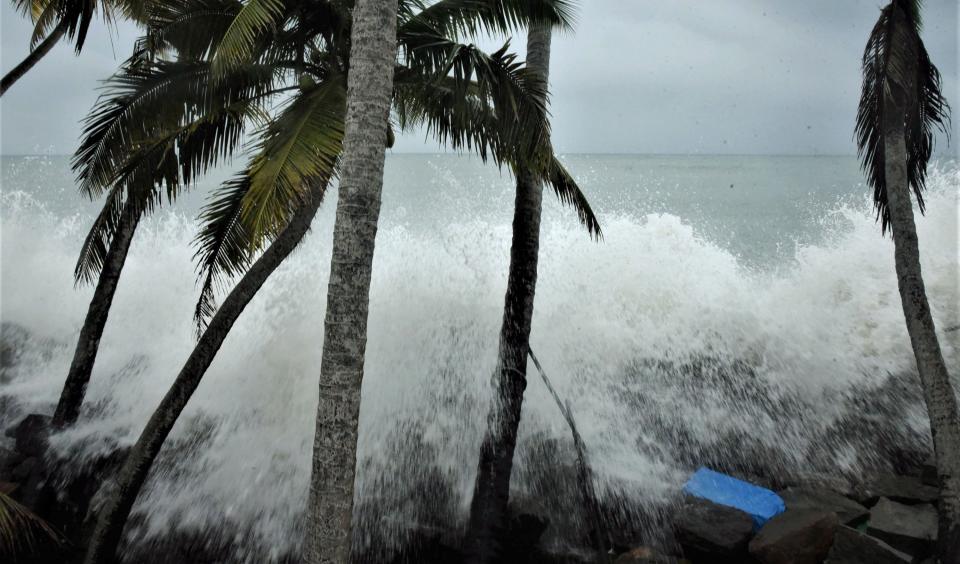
x=736 y=308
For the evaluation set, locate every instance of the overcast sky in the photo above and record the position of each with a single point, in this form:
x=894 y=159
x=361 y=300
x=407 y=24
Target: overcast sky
x=636 y=76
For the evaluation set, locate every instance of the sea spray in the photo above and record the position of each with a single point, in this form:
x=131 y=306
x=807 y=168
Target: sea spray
x=672 y=348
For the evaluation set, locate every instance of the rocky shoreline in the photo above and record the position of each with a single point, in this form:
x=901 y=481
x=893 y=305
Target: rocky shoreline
x=884 y=518
x=887 y=514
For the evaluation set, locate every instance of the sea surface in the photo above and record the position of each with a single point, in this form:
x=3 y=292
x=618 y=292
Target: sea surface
x=735 y=306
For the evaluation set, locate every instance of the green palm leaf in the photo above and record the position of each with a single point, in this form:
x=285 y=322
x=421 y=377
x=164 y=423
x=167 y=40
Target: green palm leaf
x=191 y=28
x=170 y=150
x=302 y=145
x=303 y=142
x=255 y=18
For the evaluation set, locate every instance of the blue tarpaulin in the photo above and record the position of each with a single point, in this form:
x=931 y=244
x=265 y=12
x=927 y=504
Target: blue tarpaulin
x=759 y=503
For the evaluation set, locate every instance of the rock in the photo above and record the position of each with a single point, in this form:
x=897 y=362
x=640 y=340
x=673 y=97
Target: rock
x=523 y=536
x=909 y=490
x=644 y=555
x=25 y=470
x=30 y=434
x=821 y=499
x=713 y=532
x=908 y=528
x=12 y=340
x=796 y=536
x=9 y=459
x=928 y=472
x=850 y=546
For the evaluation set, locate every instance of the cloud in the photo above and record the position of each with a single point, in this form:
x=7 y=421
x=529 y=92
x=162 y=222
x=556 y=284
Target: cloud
x=651 y=76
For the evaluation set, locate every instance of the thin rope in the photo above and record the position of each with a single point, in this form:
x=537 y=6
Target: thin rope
x=584 y=475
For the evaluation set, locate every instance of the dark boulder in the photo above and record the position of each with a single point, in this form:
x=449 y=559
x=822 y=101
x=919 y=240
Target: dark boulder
x=908 y=490
x=908 y=528
x=796 y=536
x=850 y=546
x=31 y=434
x=9 y=459
x=821 y=499
x=644 y=555
x=928 y=472
x=713 y=533
x=27 y=468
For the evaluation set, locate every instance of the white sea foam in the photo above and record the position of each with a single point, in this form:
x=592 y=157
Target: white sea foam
x=653 y=295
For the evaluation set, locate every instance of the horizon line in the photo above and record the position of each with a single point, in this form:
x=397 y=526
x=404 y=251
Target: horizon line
x=565 y=153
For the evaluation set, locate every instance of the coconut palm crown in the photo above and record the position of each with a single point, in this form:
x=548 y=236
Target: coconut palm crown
x=895 y=60
x=213 y=78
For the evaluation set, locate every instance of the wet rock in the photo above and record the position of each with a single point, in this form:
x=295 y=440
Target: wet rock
x=12 y=340
x=25 y=469
x=822 y=499
x=908 y=528
x=713 y=533
x=523 y=537
x=909 y=490
x=31 y=434
x=9 y=459
x=796 y=536
x=644 y=555
x=928 y=472
x=850 y=546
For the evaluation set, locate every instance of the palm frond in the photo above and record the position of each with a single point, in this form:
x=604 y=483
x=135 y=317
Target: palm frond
x=254 y=19
x=191 y=28
x=170 y=107
x=302 y=145
x=497 y=78
x=77 y=16
x=472 y=18
x=20 y=528
x=93 y=252
x=896 y=65
x=568 y=192
x=44 y=23
x=304 y=141
x=134 y=10
x=223 y=244
x=31 y=8
x=465 y=120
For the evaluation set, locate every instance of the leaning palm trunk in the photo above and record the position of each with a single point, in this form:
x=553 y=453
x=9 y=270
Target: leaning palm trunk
x=938 y=392
x=369 y=89
x=40 y=51
x=488 y=510
x=75 y=387
x=113 y=516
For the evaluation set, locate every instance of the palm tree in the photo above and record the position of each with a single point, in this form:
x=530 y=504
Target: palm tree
x=485 y=106
x=488 y=509
x=373 y=53
x=52 y=20
x=900 y=107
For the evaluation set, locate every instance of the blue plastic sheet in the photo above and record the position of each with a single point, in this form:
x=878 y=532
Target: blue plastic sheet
x=759 y=503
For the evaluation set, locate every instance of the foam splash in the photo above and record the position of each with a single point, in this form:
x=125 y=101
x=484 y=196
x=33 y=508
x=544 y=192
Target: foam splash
x=656 y=335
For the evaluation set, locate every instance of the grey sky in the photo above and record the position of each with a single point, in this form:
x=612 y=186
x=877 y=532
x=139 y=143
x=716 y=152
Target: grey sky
x=637 y=76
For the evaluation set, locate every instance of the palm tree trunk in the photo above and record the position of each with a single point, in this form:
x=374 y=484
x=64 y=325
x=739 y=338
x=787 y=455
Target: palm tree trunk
x=488 y=510
x=112 y=518
x=938 y=392
x=369 y=90
x=75 y=387
x=32 y=58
